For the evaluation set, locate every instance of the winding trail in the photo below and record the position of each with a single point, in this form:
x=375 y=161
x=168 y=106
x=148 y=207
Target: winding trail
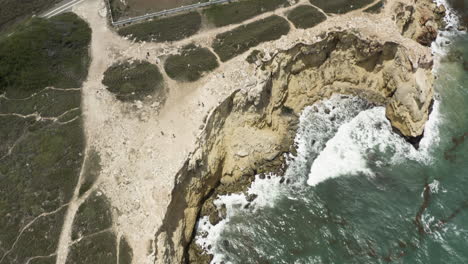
x=65 y=235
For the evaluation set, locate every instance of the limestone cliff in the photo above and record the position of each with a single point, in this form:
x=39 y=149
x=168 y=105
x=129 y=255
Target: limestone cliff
x=249 y=131
x=419 y=21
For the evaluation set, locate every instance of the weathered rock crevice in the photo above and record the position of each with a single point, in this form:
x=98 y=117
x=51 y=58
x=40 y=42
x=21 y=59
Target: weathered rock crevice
x=248 y=133
x=419 y=22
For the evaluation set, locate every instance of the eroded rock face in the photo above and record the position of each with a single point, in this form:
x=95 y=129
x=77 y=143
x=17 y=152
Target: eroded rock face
x=419 y=22
x=343 y=63
x=249 y=131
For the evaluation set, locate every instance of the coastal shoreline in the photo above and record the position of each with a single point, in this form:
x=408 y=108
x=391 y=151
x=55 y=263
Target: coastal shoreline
x=209 y=171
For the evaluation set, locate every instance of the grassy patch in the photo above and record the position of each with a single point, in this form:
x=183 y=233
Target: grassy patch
x=101 y=248
x=92 y=169
x=134 y=81
x=236 y=12
x=375 y=8
x=12 y=12
x=232 y=43
x=39 y=239
x=306 y=16
x=118 y=9
x=42 y=53
x=190 y=64
x=340 y=6
x=164 y=29
x=11 y=130
x=39 y=175
x=47 y=103
x=46 y=260
x=94 y=215
x=42 y=170
x=125 y=252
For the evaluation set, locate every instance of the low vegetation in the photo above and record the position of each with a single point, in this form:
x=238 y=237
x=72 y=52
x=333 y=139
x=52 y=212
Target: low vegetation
x=340 y=6
x=118 y=9
x=253 y=56
x=190 y=64
x=39 y=239
x=164 y=29
x=375 y=8
x=93 y=216
x=305 y=16
x=43 y=53
x=125 y=252
x=46 y=103
x=44 y=260
x=100 y=248
x=232 y=43
x=12 y=11
x=40 y=160
x=134 y=81
x=236 y=12
x=39 y=175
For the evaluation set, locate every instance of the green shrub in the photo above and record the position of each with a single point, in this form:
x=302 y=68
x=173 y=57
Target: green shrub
x=133 y=81
x=236 y=12
x=164 y=29
x=190 y=64
x=306 y=16
x=43 y=53
x=232 y=43
x=253 y=56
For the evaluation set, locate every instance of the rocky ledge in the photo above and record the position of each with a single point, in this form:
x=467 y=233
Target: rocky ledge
x=248 y=133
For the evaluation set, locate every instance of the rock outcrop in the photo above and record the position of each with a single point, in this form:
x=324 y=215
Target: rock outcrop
x=248 y=133
x=419 y=22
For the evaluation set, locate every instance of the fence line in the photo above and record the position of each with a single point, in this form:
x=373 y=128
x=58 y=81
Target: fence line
x=164 y=12
x=110 y=12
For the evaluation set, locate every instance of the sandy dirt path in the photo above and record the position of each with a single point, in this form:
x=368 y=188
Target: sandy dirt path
x=141 y=146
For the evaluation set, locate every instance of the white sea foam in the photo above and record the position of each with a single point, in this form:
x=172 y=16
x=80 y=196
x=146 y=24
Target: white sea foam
x=440 y=46
x=369 y=138
x=434 y=186
x=318 y=124
x=335 y=137
x=208 y=235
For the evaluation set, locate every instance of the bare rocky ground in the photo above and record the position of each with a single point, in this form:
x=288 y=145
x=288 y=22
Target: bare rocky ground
x=143 y=146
